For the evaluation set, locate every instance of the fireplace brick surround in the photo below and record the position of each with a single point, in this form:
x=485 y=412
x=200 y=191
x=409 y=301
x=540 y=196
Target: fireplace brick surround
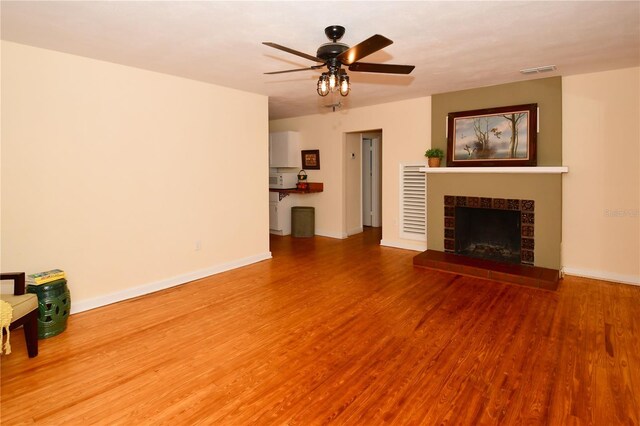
x=527 y=220
x=537 y=213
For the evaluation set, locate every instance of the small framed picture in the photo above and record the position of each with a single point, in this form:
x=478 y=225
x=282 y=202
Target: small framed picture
x=311 y=159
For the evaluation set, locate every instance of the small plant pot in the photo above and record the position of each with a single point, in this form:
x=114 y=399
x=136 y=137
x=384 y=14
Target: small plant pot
x=434 y=162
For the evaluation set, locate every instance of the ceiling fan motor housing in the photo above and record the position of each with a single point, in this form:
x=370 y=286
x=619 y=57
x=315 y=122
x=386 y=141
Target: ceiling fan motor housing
x=331 y=50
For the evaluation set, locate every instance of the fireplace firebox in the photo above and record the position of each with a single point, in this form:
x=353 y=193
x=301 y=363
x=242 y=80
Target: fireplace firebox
x=490 y=228
x=488 y=234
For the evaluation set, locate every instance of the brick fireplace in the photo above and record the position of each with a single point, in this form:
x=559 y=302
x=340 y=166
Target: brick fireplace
x=529 y=202
x=490 y=228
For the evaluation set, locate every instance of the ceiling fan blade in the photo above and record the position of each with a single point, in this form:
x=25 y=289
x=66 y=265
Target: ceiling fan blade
x=315 y=67
x=382 y=68
x=293 y=52
x=366 y=48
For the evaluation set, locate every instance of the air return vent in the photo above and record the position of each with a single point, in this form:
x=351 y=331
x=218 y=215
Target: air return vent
x=413 y=199
x=537 y=70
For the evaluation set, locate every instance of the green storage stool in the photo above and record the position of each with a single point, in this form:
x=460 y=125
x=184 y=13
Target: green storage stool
x=303 y=221
x=54 y=304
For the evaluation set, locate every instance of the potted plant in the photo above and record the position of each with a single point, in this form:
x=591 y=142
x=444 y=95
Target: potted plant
x=434 y=155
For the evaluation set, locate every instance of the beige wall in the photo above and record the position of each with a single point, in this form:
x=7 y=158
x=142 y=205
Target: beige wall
x=406 y=133
x=601 y=133
x=546 y=92
x=114 y=174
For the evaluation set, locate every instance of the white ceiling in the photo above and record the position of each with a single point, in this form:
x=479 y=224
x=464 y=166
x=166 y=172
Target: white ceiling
x=454 y=45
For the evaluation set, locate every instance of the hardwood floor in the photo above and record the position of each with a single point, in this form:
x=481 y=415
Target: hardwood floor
x=339 y=331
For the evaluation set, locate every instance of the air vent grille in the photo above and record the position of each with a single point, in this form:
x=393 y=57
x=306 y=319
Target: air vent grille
x=537 y=70
x=413 y=199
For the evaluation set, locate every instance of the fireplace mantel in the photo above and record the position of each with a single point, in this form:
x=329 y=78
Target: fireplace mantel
x=512 y=170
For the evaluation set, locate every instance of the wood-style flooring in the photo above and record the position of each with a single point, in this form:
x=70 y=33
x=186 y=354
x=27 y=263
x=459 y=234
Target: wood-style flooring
x=344 y=332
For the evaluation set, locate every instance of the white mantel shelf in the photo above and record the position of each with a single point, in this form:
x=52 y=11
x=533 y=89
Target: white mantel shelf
x=519 y=170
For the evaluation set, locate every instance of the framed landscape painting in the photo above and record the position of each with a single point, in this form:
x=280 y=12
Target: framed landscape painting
x=504 y=136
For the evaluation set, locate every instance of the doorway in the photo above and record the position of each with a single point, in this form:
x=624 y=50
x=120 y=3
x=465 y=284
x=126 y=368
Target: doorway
x=363 y=181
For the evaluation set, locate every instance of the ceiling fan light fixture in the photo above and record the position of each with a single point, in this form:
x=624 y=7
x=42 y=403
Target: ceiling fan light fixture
x=332 y=81
x=345 y=86
x=323 y=85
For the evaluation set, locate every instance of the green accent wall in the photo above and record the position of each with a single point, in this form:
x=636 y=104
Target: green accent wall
x=545 y=190
x=546 y=92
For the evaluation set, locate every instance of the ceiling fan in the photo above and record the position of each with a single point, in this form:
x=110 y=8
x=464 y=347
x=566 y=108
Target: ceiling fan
x=334 y=55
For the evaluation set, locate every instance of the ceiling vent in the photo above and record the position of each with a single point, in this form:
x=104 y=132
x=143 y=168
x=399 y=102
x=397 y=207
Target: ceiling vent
x=537 y=70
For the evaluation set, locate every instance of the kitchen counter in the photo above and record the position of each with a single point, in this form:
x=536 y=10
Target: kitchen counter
x=314 y=187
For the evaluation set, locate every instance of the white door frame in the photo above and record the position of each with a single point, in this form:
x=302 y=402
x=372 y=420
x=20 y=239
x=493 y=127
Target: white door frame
x=371 y=181
x=376 y=183
x=366 y=202
x=346 y=158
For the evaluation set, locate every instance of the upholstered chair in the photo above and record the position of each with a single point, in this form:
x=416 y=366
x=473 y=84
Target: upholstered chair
x=25 y=310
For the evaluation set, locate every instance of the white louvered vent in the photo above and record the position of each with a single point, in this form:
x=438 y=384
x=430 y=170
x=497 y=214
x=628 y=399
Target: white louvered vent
x=413 y=202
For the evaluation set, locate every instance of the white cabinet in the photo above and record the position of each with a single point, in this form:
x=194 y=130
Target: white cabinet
x=273 y=216
x=284 y=149
x=279 y=214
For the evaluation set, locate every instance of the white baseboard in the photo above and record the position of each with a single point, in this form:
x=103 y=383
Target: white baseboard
x=107 y=299
x=601 y=275
x=415 y=246
x=355 y=231
x=322 y=233
x=317 y=232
